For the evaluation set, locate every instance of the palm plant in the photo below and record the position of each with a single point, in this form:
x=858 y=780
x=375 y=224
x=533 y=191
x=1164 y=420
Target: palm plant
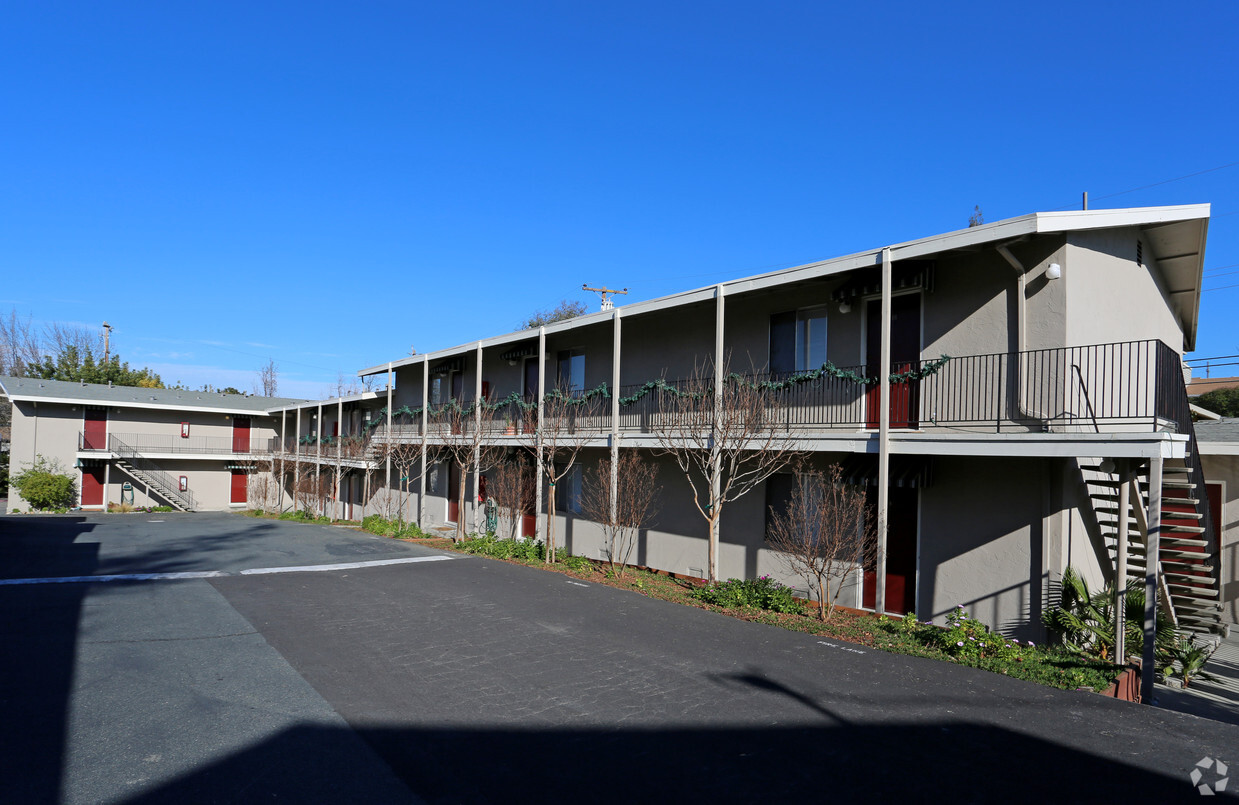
x=1085 y=620
x=1190 y=659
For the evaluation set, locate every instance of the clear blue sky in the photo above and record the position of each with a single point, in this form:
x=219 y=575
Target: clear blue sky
x=328 y=184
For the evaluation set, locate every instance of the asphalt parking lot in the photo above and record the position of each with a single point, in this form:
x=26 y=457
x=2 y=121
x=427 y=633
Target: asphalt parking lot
x=306 y=663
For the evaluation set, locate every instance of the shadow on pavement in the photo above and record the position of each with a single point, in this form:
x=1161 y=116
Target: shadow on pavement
x=38 y=636
x=912 y=763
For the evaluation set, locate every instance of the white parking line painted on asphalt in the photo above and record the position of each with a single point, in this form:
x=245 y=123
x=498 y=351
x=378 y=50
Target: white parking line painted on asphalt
x=343 y=566
x=579 y=584
x=188 y=574
x=212 y=574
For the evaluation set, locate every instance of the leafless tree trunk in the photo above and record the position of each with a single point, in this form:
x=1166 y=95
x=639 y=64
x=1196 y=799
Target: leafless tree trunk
x=824 y=535
x=564 y=434
x=726 y=442
x=406 y=458
x=636 y=498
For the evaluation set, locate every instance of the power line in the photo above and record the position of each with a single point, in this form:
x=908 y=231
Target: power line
x=1168 y=181
x=1220 y=288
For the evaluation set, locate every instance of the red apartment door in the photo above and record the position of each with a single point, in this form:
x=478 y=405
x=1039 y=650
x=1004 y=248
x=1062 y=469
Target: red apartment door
x=92 y=486
x=453 y=493
x=900 y=552
x=905 y=355
x=240 y=436
x=529 y=503
x=240 y=487
x=95 y=429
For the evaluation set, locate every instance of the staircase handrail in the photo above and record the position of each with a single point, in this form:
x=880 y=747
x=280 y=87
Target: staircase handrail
x=168 y=486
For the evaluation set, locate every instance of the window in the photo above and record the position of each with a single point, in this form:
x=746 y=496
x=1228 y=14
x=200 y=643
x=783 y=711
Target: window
x=436 y=391
x=572 y=371
x=778 y=495
x=797 y=340
x=568 y=490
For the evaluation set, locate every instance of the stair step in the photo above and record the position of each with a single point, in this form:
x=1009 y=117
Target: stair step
x=1193 y=593
x=1182 y=529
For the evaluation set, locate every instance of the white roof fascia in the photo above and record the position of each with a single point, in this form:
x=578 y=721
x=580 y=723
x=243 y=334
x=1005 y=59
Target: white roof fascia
x=129 y=404
x=365 y=395
x=1218 y=448
x=1008 y=229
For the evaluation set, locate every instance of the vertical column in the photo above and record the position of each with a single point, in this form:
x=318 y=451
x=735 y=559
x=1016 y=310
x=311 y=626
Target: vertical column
x=716 y=474
x=297 y=459
x=884 y=428
x=107 y=480
x=1152 y=567
x=542 y=525
x=387 y=450
x=339 y=450
x=615 y=395
x=1120 y=573
x=318 y=453
x=283 y=441
x=421 y=489
x=477 y=450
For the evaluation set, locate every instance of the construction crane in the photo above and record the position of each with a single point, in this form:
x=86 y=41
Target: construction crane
x=606 y=300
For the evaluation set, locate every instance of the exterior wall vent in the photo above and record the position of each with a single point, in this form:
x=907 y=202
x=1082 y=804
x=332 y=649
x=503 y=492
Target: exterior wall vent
x=1139 y=252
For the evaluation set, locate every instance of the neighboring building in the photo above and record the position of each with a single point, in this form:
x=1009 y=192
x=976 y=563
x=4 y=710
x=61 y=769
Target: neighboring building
x=192 y=450
x=1219 y=453
x=1203 y=385
x=1065 y=333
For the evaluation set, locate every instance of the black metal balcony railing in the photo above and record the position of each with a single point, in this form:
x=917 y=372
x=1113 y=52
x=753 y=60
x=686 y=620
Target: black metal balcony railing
x=1120 y=386
x=174 y=444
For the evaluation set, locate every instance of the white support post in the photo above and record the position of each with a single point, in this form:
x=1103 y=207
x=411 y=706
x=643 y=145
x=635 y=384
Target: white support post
x=387 y=450
x=421 y=483
x=615 y=395
x=1120 y=573
x=884 y=427
x=297 y=459
x=477 y=450
x=540 y=519
x=1152 y=568
x=279 y=484
x=339 y=451
x=716 y=541
x=318 y=453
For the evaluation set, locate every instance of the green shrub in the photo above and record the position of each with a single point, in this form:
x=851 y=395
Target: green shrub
x=762 y=593
x=577 y=564
x=302 y=516
x=968 y=639
x=503 y=548
x=45 y=486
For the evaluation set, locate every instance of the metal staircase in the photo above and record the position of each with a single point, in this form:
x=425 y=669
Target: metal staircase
x=150 y=474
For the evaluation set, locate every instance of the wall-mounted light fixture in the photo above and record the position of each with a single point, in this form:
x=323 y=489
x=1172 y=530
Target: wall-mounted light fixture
x=1053 y=271
x=844 y=307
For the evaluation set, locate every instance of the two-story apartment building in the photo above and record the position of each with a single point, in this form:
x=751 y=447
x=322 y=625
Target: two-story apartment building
x=1011 y=394
x=1060 y=397
x=192 y=450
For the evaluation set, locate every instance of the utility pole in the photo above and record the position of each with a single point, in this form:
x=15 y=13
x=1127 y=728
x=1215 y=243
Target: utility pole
x=606 y=301
x=107 y=340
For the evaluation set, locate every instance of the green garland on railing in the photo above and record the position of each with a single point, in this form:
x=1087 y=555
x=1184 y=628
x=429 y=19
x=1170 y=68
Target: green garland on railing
x=827 y=369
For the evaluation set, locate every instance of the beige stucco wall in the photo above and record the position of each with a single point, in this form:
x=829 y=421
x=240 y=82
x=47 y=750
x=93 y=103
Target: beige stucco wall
x=1109 y=297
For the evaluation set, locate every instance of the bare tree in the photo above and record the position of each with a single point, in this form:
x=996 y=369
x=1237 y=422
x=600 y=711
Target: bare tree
x=824 y=535
x=725 y=440
x=19 y=344
x=507 y=484
x=405 y=451
x=465 y=442
x=564 y=432
x=268 y=382
x=635 y=504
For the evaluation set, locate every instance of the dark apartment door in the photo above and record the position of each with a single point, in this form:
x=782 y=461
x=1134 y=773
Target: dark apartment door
x=905 y=355
x=92 y=486
x=240 y=487
x=529 y=502
x=240 y=436
x=900 y=552
x=95 y=429
x=530 y=418
x=453 y=493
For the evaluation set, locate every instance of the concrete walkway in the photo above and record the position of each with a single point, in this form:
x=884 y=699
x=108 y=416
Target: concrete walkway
x=1216 y=700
